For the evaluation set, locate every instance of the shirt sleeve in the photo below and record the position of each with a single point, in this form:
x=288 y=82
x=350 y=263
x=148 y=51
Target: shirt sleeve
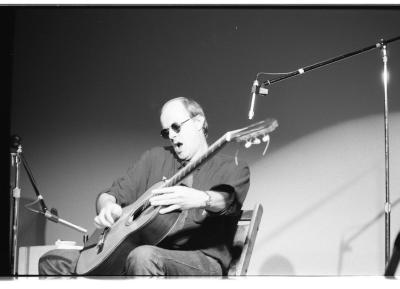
x=235 y=181
x=129 y=187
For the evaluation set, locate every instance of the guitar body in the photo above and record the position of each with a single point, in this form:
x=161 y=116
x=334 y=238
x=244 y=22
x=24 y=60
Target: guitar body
x=135 y=227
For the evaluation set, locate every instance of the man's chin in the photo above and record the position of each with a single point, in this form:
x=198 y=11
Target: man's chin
x=179 y=153
x=182 y=156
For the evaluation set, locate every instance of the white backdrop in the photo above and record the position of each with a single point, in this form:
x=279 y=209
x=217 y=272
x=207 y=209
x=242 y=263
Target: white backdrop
x=323 y=197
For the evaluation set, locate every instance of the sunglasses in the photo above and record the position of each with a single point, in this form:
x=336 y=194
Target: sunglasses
x=176 y=127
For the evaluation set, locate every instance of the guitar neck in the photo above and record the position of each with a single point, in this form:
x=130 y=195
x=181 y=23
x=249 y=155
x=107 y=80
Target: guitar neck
x=192 y=165
x=251 y=132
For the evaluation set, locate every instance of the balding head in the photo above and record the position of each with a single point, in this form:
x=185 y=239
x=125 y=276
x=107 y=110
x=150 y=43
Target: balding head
x=192 y=107
x=183 y=123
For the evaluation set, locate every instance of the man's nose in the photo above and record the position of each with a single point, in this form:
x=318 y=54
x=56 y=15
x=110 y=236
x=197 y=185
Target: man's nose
x=172 y=134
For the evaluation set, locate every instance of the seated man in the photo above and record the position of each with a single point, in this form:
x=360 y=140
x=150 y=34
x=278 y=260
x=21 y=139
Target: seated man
x=212 y=195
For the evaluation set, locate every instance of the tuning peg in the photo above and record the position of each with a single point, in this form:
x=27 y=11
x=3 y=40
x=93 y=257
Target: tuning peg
x=247 y=144
x=256 y=141
x=265 y=138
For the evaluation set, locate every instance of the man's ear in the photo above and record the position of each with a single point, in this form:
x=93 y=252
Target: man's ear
x=199 y=121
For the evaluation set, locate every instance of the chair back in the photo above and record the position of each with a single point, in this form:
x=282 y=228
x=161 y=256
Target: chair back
x=244 y=239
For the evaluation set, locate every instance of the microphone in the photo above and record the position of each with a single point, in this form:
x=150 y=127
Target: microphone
x=253 y=98
x=256 y=89
x=52 y=215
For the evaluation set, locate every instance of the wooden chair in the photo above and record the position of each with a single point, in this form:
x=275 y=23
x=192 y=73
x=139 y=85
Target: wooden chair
x=244 y=239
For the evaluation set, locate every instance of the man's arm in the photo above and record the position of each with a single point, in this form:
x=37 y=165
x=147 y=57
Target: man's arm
x=222 y=199
x=123 y=191
x=184 y=198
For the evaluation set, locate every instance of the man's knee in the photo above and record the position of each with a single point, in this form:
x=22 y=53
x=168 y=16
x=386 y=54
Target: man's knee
x=58 y=262
x=45 y=265
x=144 y=260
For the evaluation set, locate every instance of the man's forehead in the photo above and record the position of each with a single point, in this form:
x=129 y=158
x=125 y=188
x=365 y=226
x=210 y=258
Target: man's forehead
x=175 y=107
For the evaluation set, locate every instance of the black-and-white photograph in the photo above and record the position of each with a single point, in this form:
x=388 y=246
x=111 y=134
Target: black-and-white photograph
x=203 y=140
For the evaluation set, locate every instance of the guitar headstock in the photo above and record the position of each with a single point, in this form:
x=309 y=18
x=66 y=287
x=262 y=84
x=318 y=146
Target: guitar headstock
x=253 y=133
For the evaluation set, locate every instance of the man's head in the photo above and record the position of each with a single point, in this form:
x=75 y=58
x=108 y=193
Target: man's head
x=185 y=125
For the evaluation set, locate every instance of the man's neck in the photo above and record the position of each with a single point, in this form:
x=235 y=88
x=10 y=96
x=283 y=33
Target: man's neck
x=202 y=149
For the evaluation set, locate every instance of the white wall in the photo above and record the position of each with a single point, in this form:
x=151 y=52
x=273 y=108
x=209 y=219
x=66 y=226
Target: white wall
x=323 y=197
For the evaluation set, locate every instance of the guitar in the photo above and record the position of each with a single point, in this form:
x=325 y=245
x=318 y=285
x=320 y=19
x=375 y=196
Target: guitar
x=140 y=223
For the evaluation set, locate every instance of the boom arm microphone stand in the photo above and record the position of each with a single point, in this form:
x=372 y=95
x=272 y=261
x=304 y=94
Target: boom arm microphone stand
x=52 y=215
x=258 y=90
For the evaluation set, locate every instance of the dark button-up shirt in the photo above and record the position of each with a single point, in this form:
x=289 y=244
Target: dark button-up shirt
x=209 y=232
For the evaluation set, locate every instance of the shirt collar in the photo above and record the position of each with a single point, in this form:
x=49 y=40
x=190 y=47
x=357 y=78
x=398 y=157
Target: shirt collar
x=182 y=163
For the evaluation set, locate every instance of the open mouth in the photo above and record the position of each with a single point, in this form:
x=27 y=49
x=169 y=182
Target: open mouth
x=178 y=145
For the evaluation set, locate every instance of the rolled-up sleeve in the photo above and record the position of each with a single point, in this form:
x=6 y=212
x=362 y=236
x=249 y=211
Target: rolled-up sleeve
x=236 y=182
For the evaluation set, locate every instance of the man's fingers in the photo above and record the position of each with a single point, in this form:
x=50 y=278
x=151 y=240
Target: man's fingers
x=99 y=224
x=102 y=221
x=163 y=200
x=96 y=223
x=169 y=209
x=166 y=190
x=109 y=218
x=116 y=212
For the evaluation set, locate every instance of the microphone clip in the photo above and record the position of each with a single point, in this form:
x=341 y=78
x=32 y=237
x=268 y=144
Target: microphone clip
x=258 y=89
x=52 y=215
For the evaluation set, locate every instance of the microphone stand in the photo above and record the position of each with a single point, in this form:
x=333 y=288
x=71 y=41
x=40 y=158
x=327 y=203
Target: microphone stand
x=52 y=215
x=16 y=194
x=382 y=45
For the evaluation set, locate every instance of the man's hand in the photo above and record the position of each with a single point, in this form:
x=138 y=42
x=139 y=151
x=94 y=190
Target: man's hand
x=108 y=215
x=178 y=198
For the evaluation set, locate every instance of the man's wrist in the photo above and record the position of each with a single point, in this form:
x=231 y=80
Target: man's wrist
x=207 y=203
